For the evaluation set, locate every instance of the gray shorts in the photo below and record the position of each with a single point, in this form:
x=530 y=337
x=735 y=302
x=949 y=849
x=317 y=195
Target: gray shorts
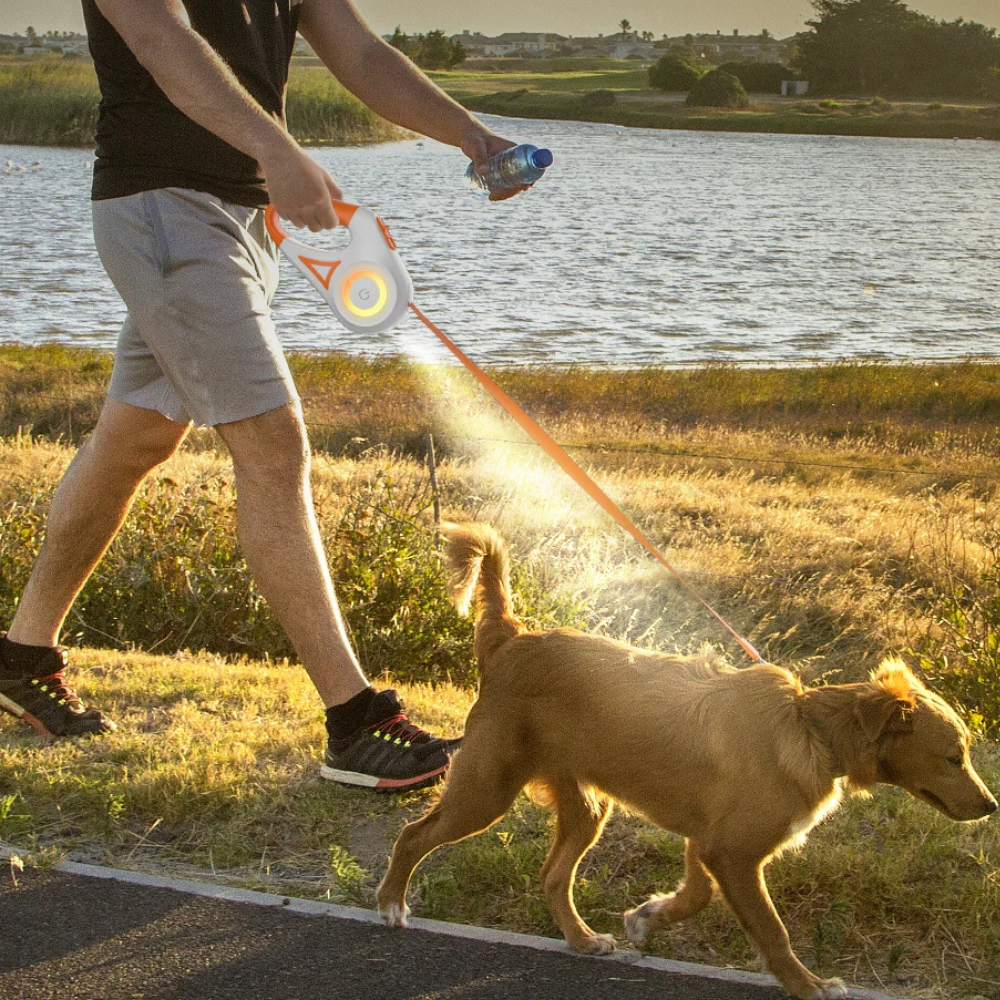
x=197 y=276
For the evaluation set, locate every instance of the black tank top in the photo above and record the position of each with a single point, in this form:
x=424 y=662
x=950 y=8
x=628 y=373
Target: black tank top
x=144 y=142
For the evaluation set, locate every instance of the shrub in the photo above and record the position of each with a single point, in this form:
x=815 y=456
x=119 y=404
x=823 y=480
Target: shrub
x=759 y=78
x=718 y=89
x=674 y=73
x=599 y=99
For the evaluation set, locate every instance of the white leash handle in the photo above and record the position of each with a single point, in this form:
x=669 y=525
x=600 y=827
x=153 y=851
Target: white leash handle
x=367 y=286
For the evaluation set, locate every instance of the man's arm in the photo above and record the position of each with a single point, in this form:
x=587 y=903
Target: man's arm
x=198 y=82
x=384 y=79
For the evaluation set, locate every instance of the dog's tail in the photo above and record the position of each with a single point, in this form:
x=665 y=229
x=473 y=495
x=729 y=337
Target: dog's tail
x=480 y=568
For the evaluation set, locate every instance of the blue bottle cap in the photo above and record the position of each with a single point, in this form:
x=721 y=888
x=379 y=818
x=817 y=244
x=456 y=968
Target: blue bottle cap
x=541 y=158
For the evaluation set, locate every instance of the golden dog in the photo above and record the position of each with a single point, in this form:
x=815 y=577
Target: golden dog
x=742 y=763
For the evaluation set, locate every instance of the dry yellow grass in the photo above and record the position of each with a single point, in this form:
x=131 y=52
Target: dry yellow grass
x=829 y=541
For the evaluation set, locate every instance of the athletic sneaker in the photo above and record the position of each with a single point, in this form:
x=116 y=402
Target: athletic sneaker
x=44 y=700
x=390 y=753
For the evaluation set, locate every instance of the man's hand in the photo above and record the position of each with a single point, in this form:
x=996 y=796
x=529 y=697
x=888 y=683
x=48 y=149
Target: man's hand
x=481 y=146
x=299 y=188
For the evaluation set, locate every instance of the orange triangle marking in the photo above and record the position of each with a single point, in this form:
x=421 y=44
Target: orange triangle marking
x=323 y=269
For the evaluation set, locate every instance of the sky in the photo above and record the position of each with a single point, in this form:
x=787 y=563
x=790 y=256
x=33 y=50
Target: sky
x=566 y=17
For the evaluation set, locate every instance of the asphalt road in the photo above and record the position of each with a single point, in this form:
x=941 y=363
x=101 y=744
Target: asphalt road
x=72 y=937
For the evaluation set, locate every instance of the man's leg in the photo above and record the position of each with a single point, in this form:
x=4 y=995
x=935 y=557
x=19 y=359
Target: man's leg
x=281 y=543
x=87 y=511
x=371 y=742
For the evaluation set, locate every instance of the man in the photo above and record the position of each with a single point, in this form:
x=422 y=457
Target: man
x=191 y=146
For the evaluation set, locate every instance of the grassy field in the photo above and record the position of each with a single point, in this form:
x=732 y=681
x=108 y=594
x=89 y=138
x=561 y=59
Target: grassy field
x=834 y=514
x=54 y=102
x=618 y=93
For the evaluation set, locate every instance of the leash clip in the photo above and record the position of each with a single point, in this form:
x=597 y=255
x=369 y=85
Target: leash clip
x=367 y=286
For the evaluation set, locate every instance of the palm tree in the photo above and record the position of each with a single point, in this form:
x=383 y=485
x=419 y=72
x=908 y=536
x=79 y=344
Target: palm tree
x=626 y=25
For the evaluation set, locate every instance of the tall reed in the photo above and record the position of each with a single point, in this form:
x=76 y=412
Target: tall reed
x=54 y=102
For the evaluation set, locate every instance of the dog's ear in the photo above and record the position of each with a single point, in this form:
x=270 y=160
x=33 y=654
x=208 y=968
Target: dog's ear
x=887 y=705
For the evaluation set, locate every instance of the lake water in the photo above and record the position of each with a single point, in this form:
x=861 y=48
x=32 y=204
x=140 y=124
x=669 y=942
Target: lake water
x=640 y=247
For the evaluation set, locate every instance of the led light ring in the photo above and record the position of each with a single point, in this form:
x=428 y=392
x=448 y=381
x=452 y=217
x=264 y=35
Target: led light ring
x=380 y=284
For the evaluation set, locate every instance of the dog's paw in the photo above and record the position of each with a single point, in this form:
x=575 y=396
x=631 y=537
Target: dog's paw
x=822 y=989
x=831 y=989
x=636 y=925
x=594 y=944
x=641 y=920
x=394 y=915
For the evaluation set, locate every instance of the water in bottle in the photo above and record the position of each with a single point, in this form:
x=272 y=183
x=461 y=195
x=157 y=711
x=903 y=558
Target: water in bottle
x=512 y=168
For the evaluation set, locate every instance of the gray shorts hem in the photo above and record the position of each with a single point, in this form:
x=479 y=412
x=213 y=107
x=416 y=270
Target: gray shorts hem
x=255 y=407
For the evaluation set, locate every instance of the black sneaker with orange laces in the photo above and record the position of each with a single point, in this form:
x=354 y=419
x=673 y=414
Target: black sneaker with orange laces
x=388 y=753
x=39 y=695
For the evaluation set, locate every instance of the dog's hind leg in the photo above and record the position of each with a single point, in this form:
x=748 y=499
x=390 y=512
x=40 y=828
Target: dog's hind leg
x=479 y=791
x=690 y=898
x=580 y=818
x=741 y=880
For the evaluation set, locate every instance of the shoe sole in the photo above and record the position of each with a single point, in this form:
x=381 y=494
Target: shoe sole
x=381 y=784
x=19 y=713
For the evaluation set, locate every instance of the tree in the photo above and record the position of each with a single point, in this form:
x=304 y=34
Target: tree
x=883 y=47
x=673 y=72
x=435 y=50
x=860 y=46
x=625 y=25
x=401 y=41
x=718 y=89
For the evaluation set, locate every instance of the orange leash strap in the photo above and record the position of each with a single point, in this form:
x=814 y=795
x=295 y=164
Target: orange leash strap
x=570 y=467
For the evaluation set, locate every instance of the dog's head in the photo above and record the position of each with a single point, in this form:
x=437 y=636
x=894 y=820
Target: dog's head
x=921 y=744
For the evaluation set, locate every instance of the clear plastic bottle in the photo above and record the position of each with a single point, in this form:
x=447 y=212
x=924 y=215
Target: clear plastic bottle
x=512 y=168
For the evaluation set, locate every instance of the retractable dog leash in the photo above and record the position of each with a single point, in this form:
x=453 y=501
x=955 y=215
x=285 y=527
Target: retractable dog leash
x=370 y=291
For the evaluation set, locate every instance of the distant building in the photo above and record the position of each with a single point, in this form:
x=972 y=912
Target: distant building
x=40 y=45
x=720 y=48
x=519 y=43
x=717 y=48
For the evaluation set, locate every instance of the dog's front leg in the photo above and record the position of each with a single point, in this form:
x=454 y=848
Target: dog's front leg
x=741 y=880
x=690 y=898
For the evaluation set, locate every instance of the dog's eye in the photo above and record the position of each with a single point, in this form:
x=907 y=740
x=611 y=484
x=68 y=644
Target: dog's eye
x=957 y=760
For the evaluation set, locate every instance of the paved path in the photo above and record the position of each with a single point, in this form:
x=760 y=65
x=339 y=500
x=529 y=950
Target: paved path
x=65 y=935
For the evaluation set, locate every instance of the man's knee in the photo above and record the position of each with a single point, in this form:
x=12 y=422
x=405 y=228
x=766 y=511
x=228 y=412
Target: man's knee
x=273 y=446
x=132 y=440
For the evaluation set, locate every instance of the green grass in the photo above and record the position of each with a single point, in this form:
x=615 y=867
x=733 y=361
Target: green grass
x=642 y=110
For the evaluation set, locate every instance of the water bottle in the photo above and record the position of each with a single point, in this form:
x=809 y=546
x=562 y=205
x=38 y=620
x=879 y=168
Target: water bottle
x=512 y=168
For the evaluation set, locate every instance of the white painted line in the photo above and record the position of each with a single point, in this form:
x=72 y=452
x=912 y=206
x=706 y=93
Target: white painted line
x=315 y=908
